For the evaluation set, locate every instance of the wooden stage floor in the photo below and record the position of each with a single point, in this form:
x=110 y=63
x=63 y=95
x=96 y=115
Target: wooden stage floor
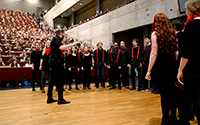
x=89 y=107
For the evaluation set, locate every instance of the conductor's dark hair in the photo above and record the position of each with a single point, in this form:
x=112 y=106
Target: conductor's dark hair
x=179 y=24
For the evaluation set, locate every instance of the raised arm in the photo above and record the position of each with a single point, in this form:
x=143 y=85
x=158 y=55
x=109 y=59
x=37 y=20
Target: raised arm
x=64 y=47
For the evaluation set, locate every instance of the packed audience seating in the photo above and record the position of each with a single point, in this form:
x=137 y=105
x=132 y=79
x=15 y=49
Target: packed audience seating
x=19 y=31
x=99 y=14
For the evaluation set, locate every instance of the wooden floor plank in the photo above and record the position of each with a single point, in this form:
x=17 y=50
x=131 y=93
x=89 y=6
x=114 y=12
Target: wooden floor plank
x=87 y=107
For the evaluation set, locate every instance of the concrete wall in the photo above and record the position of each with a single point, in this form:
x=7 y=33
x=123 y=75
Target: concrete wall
x=136 y=14
x=25 y=5
x=85 y=12
x=60 y=8
x=110 y=4
x=62 y=21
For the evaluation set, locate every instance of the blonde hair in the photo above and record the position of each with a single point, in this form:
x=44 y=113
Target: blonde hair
x=99 y=43
x=45 y=47
x=193 y=6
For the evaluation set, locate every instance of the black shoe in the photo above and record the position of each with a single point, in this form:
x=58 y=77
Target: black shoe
x=88 y=87
x=77 y=88
x=165 y=122
x=84 y=88
x=51 y=100
x=70 y=89
x=120 y=88
x=56 y=89
x=139 y=89
x=33 y=89
x=127 y=87
x=97 y=87
x=63 y=89
x=180 y=122
x=155 y=92
x=63 y=101
x=132 y=88
x=112 y=88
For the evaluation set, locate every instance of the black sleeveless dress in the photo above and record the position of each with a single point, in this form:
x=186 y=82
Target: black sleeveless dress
x=164 y=71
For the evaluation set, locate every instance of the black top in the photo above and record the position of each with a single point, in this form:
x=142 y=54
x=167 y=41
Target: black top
x=100 y=54
x=190 y=48
x=86 y=60
x=125 y=57
x=147 y=53
x=114 y=54
x=73 y=61
x=55 y=45
x=179 y=36
x=135 y=52
x=35 y=58
x=45 y=63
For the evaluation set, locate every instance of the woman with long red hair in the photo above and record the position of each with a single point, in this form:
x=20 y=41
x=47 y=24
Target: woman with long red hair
x=162 y=65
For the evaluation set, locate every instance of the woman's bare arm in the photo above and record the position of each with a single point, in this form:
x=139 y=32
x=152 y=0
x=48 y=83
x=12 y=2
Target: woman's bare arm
x=154 y=52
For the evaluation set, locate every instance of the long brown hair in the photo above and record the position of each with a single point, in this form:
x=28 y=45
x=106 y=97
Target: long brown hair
x=165 y=34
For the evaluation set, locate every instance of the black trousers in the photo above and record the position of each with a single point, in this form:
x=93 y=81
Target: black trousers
x=133 y=74
x=144 y=71
x=34 y=78
x=73 y=73
x=124 y=72
x=43 y=74
x=57 y=76
x=168 y=99
x=114 y=75
x=100 y=73
x=193 y=85
x=86 y=76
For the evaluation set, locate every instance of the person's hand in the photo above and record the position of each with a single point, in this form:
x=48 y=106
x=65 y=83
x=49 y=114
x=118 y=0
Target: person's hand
x=180 y=77
x=108 y=67
x=32 y=67
x=40 y=68
x=64 y=65
x=91 y=68
x=82 y=68
x=69 y=69
x=148 y=76
x=78 y=69
x=128 y=65
x=140 y=65
x=120 y=67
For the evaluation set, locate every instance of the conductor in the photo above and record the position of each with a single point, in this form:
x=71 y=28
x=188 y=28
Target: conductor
x=57 y=67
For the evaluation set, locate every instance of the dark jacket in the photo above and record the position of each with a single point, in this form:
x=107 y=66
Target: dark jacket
x=55 y=54
x=100 y=55
x=35 y=58
x=86 y=60
x=113 y=56
x=135 y=57
x=73 y=61
x=125 y=57
x=45 y=63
